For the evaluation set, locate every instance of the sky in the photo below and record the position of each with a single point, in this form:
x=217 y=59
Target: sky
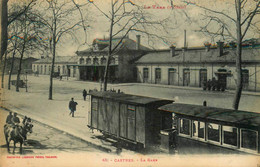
x=184 y=16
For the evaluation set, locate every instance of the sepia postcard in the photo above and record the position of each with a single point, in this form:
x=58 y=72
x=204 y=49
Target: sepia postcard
x=130 y=83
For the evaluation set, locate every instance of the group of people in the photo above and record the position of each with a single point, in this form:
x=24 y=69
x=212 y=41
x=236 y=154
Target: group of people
x=213 y=85
x=14 y=120
x=73 y=104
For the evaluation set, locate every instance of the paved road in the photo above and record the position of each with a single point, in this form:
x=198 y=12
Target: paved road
x=191 y=96
x=46 y=140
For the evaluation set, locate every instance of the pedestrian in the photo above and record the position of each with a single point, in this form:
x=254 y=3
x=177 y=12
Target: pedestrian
x=72 y=106
x=84 y=94
x=9 y=118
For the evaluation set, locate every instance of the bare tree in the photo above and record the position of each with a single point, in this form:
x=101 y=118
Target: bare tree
x=4 y=22
x=232 y=24
x=59 y=21
x=12 y=63
x=124 y=16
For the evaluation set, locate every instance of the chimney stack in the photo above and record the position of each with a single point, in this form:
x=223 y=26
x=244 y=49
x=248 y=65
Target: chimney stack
x=220 y=47
x=207 y=46
x=172 y=51
x=138 y=42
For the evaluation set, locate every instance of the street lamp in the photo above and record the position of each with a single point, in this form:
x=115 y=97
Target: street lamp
x=26 y=81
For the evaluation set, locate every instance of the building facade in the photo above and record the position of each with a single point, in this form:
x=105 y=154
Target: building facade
x=62 y=65
x=192 y=66
x=26 y=65
x=92 y=62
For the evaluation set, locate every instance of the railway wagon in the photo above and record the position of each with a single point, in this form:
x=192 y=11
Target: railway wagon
x=202 y=129
x=131 y=118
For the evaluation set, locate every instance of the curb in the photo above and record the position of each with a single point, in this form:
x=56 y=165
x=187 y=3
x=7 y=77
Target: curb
x=105 y=149
x=191 y=88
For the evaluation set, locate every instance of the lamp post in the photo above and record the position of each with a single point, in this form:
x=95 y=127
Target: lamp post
x=26 y=81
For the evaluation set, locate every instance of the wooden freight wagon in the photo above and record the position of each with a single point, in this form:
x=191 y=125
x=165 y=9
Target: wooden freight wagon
x=131 y=118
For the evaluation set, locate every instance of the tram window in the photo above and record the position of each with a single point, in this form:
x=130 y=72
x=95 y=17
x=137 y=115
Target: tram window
x=213 y=132
x=185 y=126
x=198 y=129
x=230 y=135
x=248 y=139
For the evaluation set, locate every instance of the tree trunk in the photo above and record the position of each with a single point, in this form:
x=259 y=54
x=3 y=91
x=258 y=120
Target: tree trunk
x=3 y=70
x=239 y=85
x=110 y=48
x=3 y=29
x=52 y=71
x=20 y=65
x=11 y=68
x=53 y=60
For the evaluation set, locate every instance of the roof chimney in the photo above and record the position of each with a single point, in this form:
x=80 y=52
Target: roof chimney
x=220 y=47
x=172 y=51
x=138 y=41
x=207 y=46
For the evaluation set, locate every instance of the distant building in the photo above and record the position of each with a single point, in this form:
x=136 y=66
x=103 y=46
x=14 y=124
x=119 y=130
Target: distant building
x=191 y=66
x=92 y=62
x=26 y=65
x=43 y=66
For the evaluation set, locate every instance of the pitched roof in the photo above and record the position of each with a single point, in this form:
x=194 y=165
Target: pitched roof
x=125 y=44
x=212 y=113
x=130 y=99
x=58 y=59
x=199 y=55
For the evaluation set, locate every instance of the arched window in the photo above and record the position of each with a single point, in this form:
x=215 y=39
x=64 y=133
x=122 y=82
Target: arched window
x=45 y=69
x=41 y=70
x=112 y=60
x=81 y=61
x=103 y=61
x=245 y=78
x=157 y=75
x=95 y=61
x=88 y=60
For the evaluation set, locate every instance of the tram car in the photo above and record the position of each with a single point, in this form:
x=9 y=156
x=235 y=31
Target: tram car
x=201 y=129
x=189 y=129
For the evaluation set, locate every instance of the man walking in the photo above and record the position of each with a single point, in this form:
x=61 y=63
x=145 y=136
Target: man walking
x=72 y=106
x=84 y=94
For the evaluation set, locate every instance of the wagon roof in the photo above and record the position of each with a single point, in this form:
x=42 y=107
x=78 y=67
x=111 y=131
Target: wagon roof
x=212 y=113
x=128 y=98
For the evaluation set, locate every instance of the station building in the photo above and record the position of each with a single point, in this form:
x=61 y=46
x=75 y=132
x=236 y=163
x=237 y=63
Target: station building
x=92 y=62
x=63 y=65
x=191 y=66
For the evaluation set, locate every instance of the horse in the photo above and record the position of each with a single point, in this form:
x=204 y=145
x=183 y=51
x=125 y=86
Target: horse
x=17 y=134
